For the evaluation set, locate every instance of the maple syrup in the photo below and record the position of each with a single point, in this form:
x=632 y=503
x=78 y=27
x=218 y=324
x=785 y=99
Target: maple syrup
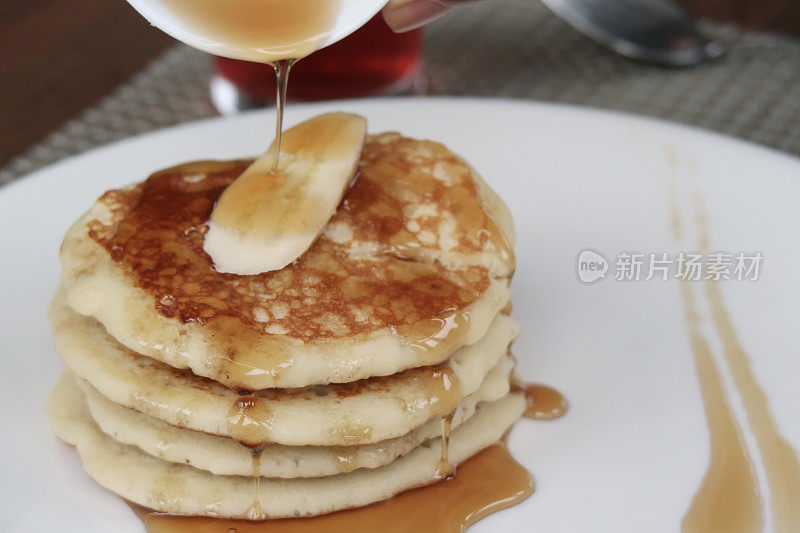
x=490 y=481
x=780 y=459
x=247 y=419
x=256 y=512
x=444 y=468
x=729 y=498
x=542 y=401
x=263 y=31
x=282 y=68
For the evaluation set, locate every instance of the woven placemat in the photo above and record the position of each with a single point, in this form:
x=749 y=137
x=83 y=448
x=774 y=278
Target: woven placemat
x=503 y=48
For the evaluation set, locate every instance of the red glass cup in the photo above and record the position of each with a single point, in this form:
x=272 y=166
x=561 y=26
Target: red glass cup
x=373 y=60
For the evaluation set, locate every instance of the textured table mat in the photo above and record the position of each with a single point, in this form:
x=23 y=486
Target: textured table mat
x=501 y=48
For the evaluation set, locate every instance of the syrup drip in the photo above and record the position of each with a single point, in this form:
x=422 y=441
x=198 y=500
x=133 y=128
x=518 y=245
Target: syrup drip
x=246 y=419
x=780 y=458
x=256 y=512
x=487 y=483
x=728 y=498
x=445 y=468
x=543 y=402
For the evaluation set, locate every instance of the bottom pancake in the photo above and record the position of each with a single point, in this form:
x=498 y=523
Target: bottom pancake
x=225 y=456
x=182 y=489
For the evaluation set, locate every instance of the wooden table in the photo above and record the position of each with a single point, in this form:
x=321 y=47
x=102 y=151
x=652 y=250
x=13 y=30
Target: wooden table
x=58 y=57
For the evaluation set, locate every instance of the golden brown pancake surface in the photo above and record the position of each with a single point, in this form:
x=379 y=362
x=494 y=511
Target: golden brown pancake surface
x=409 y=251
x=158 y=237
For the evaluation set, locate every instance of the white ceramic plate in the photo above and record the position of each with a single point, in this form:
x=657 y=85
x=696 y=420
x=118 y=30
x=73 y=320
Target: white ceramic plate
x=633 y=448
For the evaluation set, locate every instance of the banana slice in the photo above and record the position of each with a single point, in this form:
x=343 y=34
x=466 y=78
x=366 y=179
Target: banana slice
x=266 y=219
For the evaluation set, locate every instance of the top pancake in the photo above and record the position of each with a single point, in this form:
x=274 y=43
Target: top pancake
x=414 y=264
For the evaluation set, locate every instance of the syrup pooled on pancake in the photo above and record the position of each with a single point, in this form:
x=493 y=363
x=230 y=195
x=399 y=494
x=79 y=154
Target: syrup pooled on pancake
x=407 y=253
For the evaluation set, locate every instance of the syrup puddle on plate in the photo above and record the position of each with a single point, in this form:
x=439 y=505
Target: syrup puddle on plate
x=543 y=402
x=729 y=498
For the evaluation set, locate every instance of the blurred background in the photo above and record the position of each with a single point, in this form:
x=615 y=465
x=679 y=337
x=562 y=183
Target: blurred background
x=79 y=73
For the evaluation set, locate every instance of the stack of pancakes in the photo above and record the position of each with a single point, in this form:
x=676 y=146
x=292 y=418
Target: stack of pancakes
x=374 y=363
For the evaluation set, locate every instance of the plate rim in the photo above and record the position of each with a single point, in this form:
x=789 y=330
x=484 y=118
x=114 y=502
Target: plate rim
x=656 y=123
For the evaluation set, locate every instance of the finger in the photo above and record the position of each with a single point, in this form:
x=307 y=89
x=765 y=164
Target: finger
x=405 y=15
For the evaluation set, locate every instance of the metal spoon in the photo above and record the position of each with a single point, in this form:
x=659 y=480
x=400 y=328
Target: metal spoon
x=656 y=31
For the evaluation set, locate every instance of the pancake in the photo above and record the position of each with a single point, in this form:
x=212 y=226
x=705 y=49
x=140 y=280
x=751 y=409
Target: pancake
x=183 y=489
x=414 y=265
x=361 y=412
x=224 y=456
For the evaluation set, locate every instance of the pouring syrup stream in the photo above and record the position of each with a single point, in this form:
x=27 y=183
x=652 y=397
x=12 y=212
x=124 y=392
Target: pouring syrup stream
x=282 y=68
